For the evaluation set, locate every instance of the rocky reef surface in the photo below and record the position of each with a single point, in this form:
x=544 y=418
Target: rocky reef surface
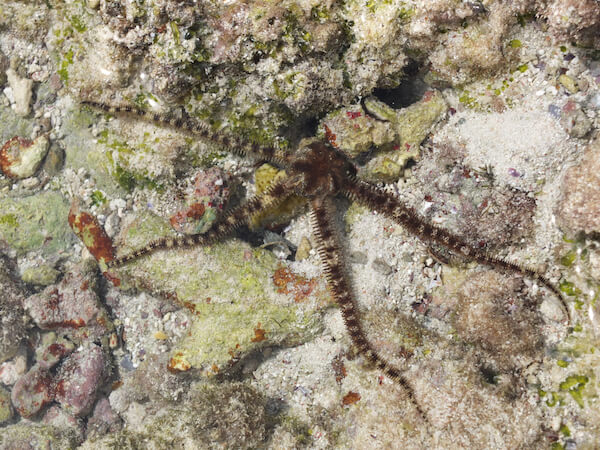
x=481 y=115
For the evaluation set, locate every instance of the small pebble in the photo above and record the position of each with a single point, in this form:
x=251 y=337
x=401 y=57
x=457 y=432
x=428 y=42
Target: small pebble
x=380 y=266
x=569 y=83
x=303 y=250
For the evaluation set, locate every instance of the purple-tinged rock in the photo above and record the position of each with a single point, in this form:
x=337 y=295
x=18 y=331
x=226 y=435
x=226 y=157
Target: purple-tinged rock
x=104 y=419
x=71 y=306
x=52 y=350
x=32 y=391
x=79 y=378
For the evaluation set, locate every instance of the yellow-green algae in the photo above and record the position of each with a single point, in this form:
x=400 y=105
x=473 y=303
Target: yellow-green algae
x=227 y=287
x=264 y=177
x=42 y=275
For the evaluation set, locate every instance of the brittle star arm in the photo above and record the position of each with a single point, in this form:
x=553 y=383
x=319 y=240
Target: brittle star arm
x=330 y=253
x=225 y=226
x=390 y=206
x=232 y=144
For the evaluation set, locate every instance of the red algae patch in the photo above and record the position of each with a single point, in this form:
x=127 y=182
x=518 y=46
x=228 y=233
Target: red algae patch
x=91 y=233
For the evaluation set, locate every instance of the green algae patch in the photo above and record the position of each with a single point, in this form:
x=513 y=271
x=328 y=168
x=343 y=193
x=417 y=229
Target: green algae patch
x=574 y=385
x=42 y=275
x=36 y=223
x=228 y=288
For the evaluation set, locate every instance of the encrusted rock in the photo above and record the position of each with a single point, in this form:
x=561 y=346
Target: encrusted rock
x=32 y=392
x=579 y=207
x=42 y=275
x=21 y=158
x=72 y=306
x=60 y=418
x=79 y=378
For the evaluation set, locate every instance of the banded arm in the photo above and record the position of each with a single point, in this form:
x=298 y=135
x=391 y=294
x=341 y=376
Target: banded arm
x=390 y=206
x=237 y=217
x=231 y=144
x=330 y=254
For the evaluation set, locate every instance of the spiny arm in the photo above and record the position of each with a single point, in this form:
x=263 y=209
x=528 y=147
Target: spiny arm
x=335 y=273
x=387 y=204
x=231 y=144
x=242 y=215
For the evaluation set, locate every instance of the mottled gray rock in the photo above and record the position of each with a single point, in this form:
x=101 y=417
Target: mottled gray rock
x=12 y=370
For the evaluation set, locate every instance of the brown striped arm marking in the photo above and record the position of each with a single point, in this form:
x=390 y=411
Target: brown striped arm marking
x=337 y=280
x=390 y=206
x=225 y=226
x=231 y=144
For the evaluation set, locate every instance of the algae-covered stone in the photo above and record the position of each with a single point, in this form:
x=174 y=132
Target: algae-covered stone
x=21 y=158
x=411 y=126
x=413 y=123
x=397 y=134
x=352 y=131
x=228 y=288
x=42 y=275
x=36 y=223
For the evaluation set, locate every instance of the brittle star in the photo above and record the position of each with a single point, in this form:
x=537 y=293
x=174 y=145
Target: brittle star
x=318 y=173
